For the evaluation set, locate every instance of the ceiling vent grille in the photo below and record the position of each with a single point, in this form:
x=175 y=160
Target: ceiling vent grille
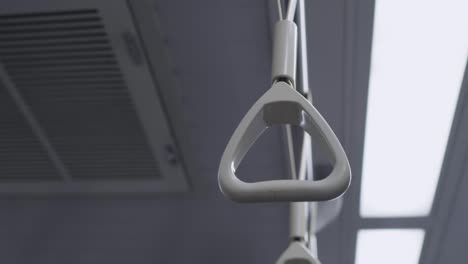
x=76 y=90
x=92 y=95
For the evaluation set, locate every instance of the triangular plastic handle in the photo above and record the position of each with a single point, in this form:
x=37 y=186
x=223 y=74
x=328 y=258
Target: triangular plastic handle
x=281 y=104
x=297 y=253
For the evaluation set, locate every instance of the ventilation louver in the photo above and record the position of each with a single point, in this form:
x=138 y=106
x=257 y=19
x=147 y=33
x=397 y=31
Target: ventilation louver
x=21 y=155
x=81 y=76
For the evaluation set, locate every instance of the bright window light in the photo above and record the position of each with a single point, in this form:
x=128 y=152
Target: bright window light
x=418 y=60
x=389 y=246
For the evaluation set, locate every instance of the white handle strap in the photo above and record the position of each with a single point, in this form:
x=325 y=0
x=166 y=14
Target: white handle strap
x=282 y=105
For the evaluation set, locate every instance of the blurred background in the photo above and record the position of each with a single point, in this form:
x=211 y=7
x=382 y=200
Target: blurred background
x=114 y=116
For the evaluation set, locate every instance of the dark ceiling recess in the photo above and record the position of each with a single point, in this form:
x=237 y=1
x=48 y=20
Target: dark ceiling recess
x=80 y=111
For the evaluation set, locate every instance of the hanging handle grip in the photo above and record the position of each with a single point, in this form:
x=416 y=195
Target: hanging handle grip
x=282 y=105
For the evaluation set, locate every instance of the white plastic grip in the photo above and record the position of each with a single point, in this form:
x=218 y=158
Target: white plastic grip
x=283 y=105
x=284 y=51
x=297 y=253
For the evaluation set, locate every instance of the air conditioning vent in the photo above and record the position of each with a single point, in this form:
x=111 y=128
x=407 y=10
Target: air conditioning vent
x=81 y=76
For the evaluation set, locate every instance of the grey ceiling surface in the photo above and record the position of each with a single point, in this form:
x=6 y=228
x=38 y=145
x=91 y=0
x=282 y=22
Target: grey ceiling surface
x=219 y=53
